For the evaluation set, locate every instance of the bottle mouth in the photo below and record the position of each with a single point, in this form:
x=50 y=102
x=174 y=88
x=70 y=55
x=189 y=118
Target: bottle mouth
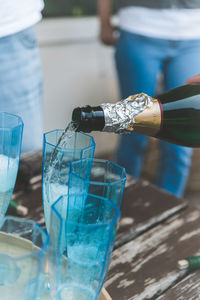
x=81 y=117
x=88 y=118
x=76 y=115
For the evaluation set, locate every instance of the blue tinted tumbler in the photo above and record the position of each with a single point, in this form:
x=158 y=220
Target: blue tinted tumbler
x=80 y=258
x=77 y=146
x=23 y=245
x=100 y=177
x=11 y=130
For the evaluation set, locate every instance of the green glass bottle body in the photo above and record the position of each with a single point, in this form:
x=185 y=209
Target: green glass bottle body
x=180 y=109
x=173 y=116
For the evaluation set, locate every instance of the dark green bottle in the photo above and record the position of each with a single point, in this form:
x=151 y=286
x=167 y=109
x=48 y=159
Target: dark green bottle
x=173 y=116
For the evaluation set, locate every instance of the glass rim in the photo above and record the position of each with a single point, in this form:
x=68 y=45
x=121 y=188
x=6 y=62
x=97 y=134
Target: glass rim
x=109 y=223
x=32 y=253
x=68 y=149
x=123 y=179
x=21 y=123
x=91 y=182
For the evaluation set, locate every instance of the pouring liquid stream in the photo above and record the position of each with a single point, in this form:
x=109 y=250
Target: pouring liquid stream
x=53 y=184
x=62 y=142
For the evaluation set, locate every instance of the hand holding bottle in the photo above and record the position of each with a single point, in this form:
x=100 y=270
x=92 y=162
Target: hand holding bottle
x=194 y=80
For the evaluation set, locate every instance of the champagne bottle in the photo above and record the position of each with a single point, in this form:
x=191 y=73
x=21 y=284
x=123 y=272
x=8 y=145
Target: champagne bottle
x=173 y=116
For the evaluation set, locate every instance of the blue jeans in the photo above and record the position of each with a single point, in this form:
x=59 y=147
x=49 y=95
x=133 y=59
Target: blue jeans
x=21 y=84
x=139 y=59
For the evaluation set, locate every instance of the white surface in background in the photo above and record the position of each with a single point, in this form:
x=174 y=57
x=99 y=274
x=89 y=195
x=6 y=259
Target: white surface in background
x=78 y=70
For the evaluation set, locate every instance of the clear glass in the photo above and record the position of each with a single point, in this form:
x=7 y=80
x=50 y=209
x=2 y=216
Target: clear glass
x=23 y=245
x=79 y=258
x=11 y=130
x=78 y=146
x=97 y=176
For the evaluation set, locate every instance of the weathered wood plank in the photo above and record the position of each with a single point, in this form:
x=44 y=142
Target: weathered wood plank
x=30 y=166
x=146 y=267
x=32 y=199
x=143 y=206
x=186 y=289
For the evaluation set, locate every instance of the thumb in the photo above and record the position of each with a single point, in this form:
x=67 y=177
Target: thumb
x=193 y=80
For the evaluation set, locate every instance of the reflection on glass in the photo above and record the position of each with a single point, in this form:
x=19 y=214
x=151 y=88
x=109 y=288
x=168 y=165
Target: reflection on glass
x=11 y=129
x=23 y=245
x=77 y=146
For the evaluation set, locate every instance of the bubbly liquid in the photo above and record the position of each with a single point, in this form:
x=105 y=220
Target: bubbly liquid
x=51 y=189
x=85 y=258
x=8 y=174
x=76 y=292
x=85 y=265
x=54 y=191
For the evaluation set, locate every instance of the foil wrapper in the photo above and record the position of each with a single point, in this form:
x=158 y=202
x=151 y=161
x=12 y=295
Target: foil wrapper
x=120 y=116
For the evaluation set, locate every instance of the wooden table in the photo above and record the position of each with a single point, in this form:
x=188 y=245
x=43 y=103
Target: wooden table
x=156 y=230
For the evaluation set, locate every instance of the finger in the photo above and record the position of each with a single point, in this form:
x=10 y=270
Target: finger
x=193 y=80
x=108 y=41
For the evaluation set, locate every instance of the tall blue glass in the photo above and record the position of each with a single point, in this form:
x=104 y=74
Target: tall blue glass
x=23 y=246
x=11 y=130
x=77 y=146
x=82 y=234
x=79 y=259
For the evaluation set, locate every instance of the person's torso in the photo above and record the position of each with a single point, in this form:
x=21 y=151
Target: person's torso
x=164 y=4
x=174 y=19
x=16 y=15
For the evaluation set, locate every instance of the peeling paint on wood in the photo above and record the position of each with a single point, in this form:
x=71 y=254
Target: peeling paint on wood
x=144 y=206
x=186 y=289
x=150 y=260
x=30 y=167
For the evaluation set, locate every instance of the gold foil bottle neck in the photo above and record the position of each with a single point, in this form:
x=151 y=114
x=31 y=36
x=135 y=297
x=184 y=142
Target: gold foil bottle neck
x=135 y=113
x=149 y=121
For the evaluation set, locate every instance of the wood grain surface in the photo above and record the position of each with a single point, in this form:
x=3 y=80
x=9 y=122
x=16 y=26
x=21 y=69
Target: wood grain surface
x=144 y=206
x=187 y=289
x=146 y=267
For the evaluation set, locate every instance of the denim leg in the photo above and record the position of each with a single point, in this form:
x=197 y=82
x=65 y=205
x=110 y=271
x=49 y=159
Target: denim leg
x=176 y=160
x=174 y=167
x=138 y=61
x=21 y=84
x=130 y=153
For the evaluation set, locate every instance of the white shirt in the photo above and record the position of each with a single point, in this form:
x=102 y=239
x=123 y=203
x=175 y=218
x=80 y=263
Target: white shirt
x=173 y=24
x=17 y=15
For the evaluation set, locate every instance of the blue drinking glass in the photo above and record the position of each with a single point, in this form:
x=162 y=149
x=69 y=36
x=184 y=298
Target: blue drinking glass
x=77 y=146
x=23 y=246
x=11 y=130
x=79 y=258
x=97 y=176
